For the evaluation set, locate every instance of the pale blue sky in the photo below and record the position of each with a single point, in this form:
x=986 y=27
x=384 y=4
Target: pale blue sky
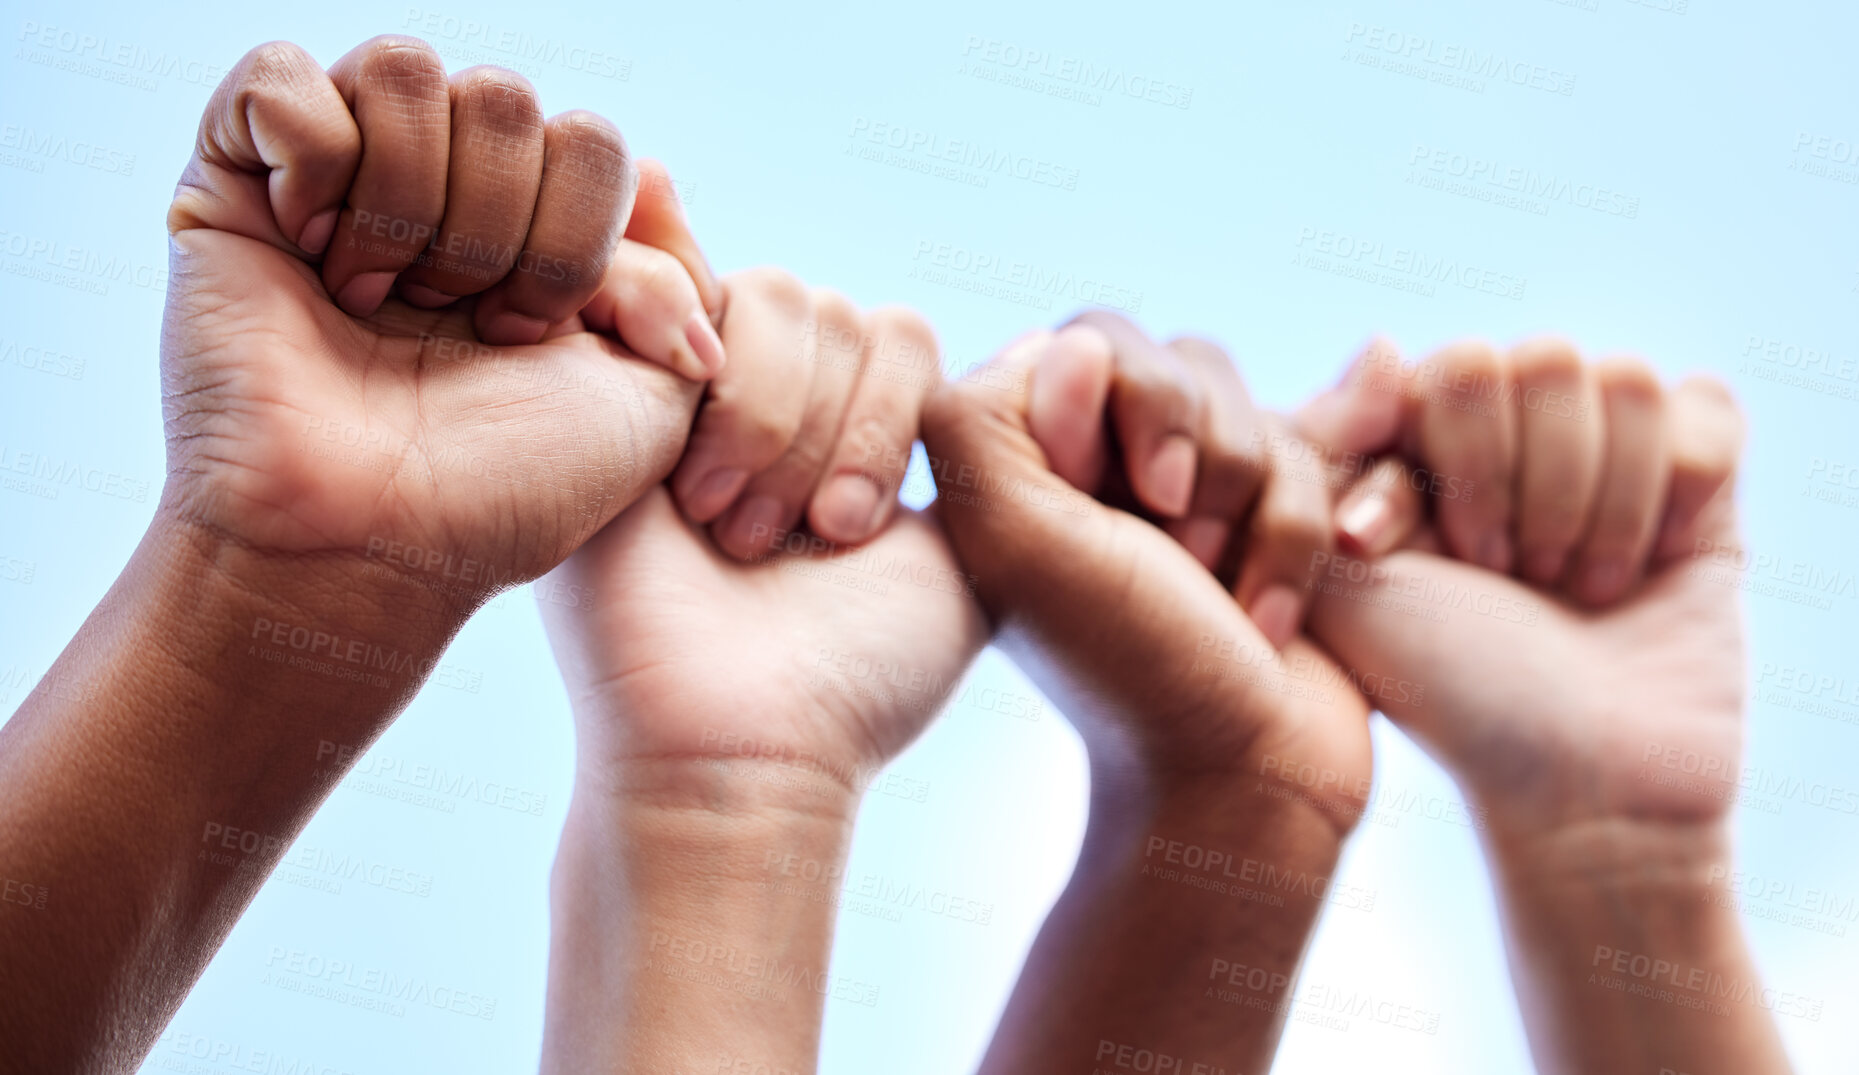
x=1728 y=130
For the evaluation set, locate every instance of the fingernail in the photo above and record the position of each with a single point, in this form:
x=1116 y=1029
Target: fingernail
x=362 y=296
x=511 y=329
x=1205 y=539
x=847 y=510
x=1366 y=521
x=425 y=297
x=315 y=237
x=1171 y=476
x=714 y=492
x=704 y=341
x=1494 y=552
x=1274 y=613
x=752 y=526
x=1600 y=581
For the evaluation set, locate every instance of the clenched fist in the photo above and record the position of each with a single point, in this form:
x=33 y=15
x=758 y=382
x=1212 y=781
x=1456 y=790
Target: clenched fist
x=404 y=310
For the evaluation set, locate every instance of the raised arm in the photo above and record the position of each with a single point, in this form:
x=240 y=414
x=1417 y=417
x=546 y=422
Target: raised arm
x=1581 y=652
x=764 y=634
x=392 y=342
x=1212 y=843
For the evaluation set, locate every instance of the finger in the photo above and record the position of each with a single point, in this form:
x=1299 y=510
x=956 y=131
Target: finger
x=276 y=152
x=1289 y=528
x=658 y=220
x=397 y=90
x=1155 y=409
x=902 y=365
x=1069 y=388
x=1366 y=410
x=1559 y=446
x=756 y=404
x=1466 y=432
x=1234 y=457
x=581 y=209
x=773 y=500
x=491 y=182
x=1634 y=474
x=1380 y=511
x=649 y=302
x=1706 y=432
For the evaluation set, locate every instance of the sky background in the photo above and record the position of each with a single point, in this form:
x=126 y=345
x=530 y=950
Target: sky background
x=1726 y=137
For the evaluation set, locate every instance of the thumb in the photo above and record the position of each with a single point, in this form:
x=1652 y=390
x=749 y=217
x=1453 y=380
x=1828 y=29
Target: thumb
x=658 y=220
x=998 y=495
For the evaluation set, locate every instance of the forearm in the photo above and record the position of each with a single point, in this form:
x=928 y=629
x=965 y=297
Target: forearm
x=1180 y=934
x=693 y=906
x=1627 y=960
x=161 y=769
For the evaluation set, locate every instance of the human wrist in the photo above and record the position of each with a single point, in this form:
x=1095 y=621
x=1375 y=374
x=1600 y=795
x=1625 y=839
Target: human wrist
x=1670 y=865
x=374 y=597
x=692 y=918
x=1231 y=833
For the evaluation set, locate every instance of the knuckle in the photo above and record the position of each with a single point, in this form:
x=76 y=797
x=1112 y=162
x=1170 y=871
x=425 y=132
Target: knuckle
x=1468 y=367
x=1545 y=358
x=501 y=98
x=1629 y=380
x=904 y=338
x=1104 y=320
x=764 y=435
x=662 y=282
x=277 y=61
x=1202 y=351
x=870 y=436
x=775 y=287
x=404 y=64
x=1291 y=531
x=591 y=139
x=836 y=317
x=1714 y=393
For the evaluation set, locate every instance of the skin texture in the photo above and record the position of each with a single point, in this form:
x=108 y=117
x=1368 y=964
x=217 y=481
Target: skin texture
x=737 y=689
x=273 y=620
x=1594 y=707
x=1197 y=725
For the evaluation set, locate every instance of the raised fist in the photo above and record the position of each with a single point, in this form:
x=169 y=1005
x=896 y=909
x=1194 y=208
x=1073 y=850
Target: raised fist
x=404 y=310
